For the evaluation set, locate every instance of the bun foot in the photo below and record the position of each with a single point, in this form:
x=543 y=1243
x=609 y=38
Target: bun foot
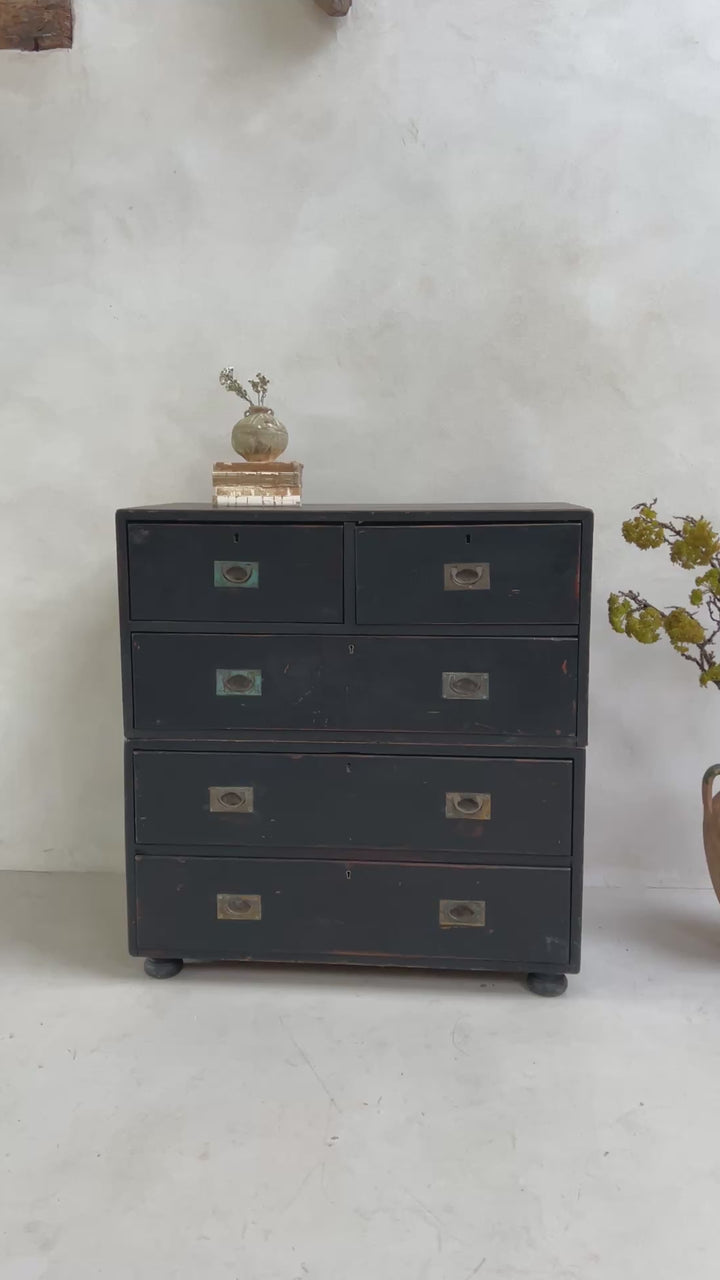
x=547 y=984
x=162 y=968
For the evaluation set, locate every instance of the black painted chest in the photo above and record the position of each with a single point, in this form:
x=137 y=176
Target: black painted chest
x=356 y=736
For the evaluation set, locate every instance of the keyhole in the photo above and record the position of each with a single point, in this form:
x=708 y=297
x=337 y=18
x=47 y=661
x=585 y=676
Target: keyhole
x=348 y=875
x=347 y=767
x=467 y=537
x=236 y=537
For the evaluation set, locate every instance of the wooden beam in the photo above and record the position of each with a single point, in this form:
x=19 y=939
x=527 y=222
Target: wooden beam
x=33 y=25
x=336 y=8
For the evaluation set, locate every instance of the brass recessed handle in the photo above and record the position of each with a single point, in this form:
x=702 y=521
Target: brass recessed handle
x=461 y=911
x=239 y=573
x=466 y=684
x=240 y=683
x=231 y=799
x=467 y=577
x=239 y=906
x=468 y=804
x=236 y=573
x=468 y=913
x=230 y=682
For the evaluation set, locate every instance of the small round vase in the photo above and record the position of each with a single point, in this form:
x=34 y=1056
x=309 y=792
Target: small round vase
x=258 y=436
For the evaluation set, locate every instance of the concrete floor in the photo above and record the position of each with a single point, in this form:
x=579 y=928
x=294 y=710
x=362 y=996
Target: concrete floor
x=305 y=1124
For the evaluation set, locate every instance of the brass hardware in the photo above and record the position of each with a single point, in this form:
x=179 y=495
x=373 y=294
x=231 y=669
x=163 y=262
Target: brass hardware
x=236 y=573
x=239 y=906
x=466 y=684
x=231 y=799
x=467 y=577
x=476 y=805
x=466 y=913
x=233 y=683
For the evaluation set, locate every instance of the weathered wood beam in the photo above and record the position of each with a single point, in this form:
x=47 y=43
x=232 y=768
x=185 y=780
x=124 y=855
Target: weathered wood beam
x=336 y=8
x=36 y=24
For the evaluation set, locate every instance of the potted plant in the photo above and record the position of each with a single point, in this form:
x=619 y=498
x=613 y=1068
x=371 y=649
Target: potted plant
x=692 y=629
x=258 y=436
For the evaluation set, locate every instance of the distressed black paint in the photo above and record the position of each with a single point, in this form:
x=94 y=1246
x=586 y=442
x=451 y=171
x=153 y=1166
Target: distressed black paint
x=532 y=571
x=173 y=572
x=351 y=749
x=348 y=802
x=365 y=683
x=375 y=912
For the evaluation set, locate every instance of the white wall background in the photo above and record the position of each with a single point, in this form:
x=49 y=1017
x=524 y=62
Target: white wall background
x=475 y=243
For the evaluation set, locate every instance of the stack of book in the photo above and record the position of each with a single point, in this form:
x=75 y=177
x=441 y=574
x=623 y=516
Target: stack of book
x=257 y=484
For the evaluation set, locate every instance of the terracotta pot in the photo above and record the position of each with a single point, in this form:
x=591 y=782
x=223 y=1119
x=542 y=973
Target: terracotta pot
x=711 y=826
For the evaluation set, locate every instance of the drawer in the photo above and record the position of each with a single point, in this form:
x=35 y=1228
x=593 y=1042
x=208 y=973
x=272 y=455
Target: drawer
x=471 y=574
x=236 y=572
x=233 y=908
x=419 y=805
x=499 y=686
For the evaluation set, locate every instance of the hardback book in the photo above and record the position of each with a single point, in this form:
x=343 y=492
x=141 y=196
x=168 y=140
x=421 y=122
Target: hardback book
x=257 y=484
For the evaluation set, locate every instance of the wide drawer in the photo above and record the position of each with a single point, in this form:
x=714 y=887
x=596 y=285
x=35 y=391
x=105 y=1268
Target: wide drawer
x=419 y=805
x=501 y=686
x=470 y=574
x=266 y=909
x=236 y=572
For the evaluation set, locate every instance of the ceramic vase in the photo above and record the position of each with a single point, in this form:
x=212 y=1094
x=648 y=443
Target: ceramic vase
x=711 y=826
x=258 y=436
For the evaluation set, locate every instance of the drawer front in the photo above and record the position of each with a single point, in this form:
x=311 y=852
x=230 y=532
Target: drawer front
x=236 y=573
x=492 y=687
x=469 y=574
x=268 y=909
x=418 y=805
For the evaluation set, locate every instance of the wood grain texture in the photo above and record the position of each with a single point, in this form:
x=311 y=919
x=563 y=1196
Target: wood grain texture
x=34 y=25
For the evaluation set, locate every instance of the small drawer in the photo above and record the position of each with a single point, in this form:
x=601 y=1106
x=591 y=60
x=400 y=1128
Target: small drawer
x=235 y=572
x=489 y=687
x=424 y=807
x=474 y=574
x=251 y=909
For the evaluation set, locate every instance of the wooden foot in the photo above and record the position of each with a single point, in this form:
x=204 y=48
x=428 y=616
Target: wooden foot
x=162 y=968
x=547 y=984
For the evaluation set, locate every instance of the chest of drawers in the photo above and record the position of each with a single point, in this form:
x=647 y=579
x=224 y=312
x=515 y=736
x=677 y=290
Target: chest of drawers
x=356 y=736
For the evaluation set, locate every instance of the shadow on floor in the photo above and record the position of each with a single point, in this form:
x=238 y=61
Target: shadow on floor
x=684 y=924
x=74 y=920
x=354 y=979
x=687 y=932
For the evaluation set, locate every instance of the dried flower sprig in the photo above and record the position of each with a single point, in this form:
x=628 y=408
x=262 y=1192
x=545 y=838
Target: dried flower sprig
x=259 y=385
x=693 y=544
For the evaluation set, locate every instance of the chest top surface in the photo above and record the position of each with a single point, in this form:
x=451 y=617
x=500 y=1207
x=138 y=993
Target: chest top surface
x=392 y=513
